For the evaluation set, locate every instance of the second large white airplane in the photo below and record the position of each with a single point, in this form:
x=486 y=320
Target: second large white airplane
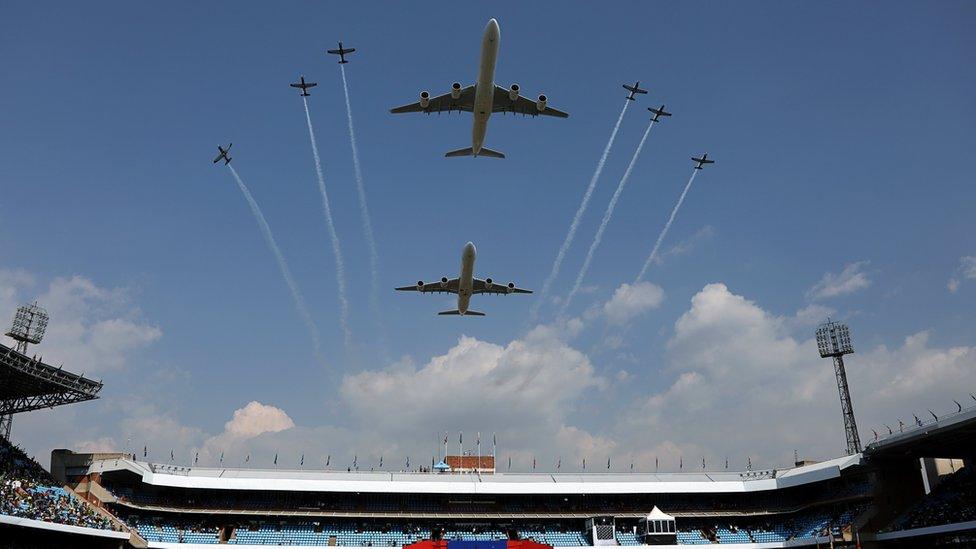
x=482 y=99
x=465 y=286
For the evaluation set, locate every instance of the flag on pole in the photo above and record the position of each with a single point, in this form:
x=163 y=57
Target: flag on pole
x=171 y=458
x=381 y=462
x=749 y=463
x=726 y=462
x=248 y=458
x=445 y=437
x=145 y=451
x=328 y=459
x=355 y=460
x=533 y=463
x=494 y=443
x=276 y=458
x=559 y=463
x=608 y=463
x=196 y=458
x=408 y=462
x=221 y=456
x=301 y=462
x=631 y=465
x=703 y=462
x=460 y=437
x=584 y=464
x=509 y=463
x=655 y=463
x=681 y=462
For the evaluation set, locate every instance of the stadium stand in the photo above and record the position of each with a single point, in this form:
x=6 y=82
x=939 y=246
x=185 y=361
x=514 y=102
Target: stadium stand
x=28 y=491
x=952 y=501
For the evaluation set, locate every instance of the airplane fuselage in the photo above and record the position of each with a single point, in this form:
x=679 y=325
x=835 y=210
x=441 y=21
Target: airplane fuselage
x=484 y=91
x=466 y=280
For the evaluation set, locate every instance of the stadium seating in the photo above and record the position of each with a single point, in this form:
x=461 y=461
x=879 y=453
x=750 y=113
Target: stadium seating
x=28 y=491
x=952 y=501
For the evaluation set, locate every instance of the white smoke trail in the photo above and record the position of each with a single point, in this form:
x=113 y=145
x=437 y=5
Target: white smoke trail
x=603 y=224
x=547 y=285
x=336 y=249
x=374 y=258
x=296 y=294
x=667 y=227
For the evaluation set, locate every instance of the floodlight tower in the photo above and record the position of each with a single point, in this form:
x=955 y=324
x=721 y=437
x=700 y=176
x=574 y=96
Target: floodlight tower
x=834 y=341
x=29 y=325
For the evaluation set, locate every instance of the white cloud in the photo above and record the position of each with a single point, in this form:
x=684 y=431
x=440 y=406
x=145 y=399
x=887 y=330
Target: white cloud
x=745 y=385
x=256 y=419
x=851 y=279
x=632 y=300
x=92 y=329
x=965 y=271
x=524 y=390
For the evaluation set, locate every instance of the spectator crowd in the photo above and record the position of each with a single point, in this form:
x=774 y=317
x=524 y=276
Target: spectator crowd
x=28 y=491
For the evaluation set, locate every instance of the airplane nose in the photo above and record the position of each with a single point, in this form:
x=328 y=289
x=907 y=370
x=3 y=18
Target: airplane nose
x=493 y=26
x=469 y=248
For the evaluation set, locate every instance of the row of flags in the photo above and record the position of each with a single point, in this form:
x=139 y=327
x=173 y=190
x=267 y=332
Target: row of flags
x=355 y=461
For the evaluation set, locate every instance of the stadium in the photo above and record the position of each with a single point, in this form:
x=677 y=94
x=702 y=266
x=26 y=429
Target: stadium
x=911 y=488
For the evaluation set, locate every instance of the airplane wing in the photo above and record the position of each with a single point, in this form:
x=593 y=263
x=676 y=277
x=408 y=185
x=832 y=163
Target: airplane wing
x=219 y=156
x=450 y=287
x=480 y=286
x=442 y=103
x=522 y=105
x=333 y=52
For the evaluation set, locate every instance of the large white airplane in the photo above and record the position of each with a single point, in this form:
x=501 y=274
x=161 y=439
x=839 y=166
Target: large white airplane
x=465 y=286
x=482 y=99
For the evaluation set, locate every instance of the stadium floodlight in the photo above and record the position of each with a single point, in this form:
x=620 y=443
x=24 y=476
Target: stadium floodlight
x=30 y=323
x=834 y=341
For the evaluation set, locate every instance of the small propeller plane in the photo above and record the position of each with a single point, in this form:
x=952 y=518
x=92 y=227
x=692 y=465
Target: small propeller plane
x=341 y=52
x=658 y=112
x=702 y=161
x=223 y=154
x=634 y=90
x=303 y=85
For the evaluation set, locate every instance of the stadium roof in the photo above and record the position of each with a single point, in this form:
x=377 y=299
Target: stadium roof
x=497 y=484
x=29 y=384
x=952 y=435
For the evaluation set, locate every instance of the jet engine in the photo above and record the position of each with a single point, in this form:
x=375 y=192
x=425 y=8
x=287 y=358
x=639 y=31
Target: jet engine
x=420 y=285
x=513 y=92
x=511 y=287
x=540 y=105
x=443 y=282
x=488 y=282
x=424 y=99
x=456 y=90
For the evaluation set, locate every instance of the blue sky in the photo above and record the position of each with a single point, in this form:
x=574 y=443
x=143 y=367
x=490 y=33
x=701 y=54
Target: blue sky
x=841 y=133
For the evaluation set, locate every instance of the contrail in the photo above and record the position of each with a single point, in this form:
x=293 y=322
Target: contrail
x=603 y=224
x=296 y=294
x=374 y=257
x=667 y=227
x=336 y=249
x=568 y=241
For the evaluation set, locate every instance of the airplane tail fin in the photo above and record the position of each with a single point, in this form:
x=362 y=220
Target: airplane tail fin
x=470 y=152
x=457 y=312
